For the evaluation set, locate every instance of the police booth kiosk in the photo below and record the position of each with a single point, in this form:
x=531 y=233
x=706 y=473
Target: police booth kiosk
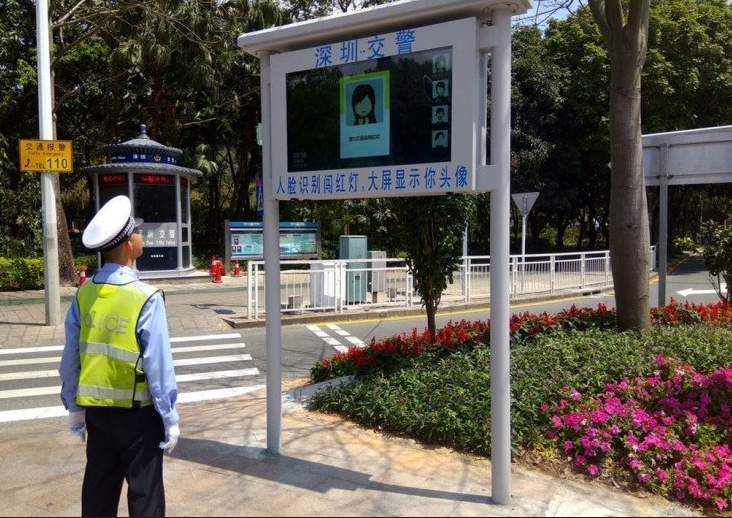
x=160 y=192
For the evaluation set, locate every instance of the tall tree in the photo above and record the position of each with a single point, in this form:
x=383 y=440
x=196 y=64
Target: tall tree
x=20 y=222
x=626 y=39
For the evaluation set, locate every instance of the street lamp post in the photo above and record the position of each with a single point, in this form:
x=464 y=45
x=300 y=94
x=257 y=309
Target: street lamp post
x=48 y=194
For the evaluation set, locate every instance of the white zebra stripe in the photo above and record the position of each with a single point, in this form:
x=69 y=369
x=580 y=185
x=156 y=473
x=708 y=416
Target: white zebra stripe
x=27 y=414
x=206 y=395
x=356 y=341
x=212 y=359
x=182 y=378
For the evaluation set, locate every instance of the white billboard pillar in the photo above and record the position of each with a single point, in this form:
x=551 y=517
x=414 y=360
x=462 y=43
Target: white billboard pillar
x=500 y=258
x=271 y=220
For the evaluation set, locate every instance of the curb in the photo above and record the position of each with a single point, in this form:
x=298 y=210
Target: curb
x=299 y=398
x=243 y=322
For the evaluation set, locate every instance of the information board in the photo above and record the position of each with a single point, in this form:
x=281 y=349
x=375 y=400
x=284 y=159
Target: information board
x=46 y=156
x=382 y=116
x=298 y=240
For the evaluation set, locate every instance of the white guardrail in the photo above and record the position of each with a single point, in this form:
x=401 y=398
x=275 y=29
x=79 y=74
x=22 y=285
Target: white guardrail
x=342 y=284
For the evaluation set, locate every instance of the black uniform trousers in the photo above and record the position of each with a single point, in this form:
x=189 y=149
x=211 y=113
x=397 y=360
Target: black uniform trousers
x=123 y=444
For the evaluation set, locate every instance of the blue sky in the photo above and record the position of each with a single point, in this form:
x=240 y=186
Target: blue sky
x=543 y=10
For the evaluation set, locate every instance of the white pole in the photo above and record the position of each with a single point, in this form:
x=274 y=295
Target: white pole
x=500 y=255
x=271 y=219
x=662 y=225
x=48 y=194
x=464 y=280
x=523 y=249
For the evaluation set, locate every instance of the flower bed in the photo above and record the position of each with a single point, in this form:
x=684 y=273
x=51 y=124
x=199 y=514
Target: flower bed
x=667 y=427
x=391 y=353
x=671 y=431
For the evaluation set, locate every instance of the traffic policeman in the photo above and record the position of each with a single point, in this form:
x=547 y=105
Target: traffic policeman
x=117 y=377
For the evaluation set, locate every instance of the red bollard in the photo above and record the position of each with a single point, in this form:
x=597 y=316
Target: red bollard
x=217 y=273
x=237 y=271
x=82 y=276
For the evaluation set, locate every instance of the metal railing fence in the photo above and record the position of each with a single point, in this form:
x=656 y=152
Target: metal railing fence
x=342 y=284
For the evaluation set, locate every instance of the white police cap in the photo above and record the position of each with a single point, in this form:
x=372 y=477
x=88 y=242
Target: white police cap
x=111 y=226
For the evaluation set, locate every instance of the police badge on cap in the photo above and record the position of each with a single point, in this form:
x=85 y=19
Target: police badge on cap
x=111 y=226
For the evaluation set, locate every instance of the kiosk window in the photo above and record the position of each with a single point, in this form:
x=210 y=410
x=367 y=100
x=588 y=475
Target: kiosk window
x=155 y=198
x=111 y=185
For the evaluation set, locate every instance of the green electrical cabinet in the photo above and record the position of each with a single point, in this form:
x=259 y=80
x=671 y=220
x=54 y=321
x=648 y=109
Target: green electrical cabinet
x=354 y=247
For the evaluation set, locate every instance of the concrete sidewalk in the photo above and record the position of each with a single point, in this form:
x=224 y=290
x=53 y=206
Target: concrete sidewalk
x=327 y=465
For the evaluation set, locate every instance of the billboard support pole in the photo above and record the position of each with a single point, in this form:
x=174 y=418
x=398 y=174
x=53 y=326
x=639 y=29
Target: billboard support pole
x=500 y=258
x=271 y=220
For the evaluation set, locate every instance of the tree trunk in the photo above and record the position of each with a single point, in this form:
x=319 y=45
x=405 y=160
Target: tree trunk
x=591 y=229
x=629 y=239
x=561 y=227
x=66 y=267
x=582 y=219
x=430 y=309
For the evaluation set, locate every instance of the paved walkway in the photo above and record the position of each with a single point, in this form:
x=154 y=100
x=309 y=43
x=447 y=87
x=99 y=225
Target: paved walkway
x=327 y=466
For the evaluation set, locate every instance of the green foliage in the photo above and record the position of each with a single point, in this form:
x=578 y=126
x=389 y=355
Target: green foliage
x=21 y=222
x=21 y=274
x=429 y=230
x=445 y=399
x=685 y=243
x=175 y=66
x=27 y=274
x=688 y=63
x=717 y=253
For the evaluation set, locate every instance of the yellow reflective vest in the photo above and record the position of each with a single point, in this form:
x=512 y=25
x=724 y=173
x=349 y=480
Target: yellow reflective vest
x=110 y=354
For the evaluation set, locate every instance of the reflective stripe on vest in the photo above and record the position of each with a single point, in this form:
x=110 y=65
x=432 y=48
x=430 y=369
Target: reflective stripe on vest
x=110 y=355
x=113 y=394
x=108 y=350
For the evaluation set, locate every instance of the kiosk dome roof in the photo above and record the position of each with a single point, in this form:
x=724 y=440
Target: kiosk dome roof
x=143 y=144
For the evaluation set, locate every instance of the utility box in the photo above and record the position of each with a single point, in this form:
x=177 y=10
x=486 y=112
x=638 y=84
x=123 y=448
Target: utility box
x=354 y=247
x=377 y=273
x=326 y=288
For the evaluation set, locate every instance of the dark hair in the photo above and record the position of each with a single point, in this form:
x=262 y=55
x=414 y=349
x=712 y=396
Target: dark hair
x=361 y=92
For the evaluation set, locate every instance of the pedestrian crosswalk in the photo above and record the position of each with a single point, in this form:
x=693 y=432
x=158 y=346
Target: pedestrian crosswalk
x=207 y=367
x=336 y=343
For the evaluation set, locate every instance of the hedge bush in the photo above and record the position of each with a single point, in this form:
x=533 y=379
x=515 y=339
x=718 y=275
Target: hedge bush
x=21 y=274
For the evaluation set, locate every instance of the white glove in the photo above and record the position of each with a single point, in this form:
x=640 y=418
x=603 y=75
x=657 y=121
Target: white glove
x=77 y=424
x=172 y=433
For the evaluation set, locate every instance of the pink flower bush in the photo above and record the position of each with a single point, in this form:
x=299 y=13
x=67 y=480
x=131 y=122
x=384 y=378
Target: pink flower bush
x=672 y=430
